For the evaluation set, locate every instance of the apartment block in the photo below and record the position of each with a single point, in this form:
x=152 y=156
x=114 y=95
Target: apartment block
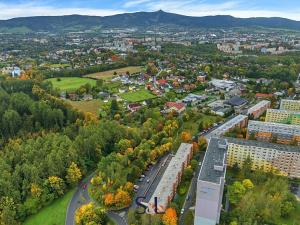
x=210 y=184
x=274 y=132
x=284 y=159
x=268 y=156
x=259 y=109
x=283 y=116
x=238 y=121
x=168 y=184
x=290 y=105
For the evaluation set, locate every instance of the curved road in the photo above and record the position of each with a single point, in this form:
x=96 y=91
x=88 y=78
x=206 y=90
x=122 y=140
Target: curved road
x=81 y=197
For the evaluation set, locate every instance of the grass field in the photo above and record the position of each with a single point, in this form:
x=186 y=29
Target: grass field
x=110 y=73
x=70 y=83
x=87 y=106
x=138 y=96
x=53 y=214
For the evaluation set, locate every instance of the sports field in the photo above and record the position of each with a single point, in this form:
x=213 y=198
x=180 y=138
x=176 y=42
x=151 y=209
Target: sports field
x=138 y=96
x=70 y=83
x=110 y=73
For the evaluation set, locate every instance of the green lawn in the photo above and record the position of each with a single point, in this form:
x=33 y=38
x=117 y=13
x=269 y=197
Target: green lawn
x=138 y=96
x=53 y=214
x=70 y=83
x=193 y=124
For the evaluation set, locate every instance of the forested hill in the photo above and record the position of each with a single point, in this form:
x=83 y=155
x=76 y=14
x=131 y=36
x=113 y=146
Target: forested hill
x=138 y=19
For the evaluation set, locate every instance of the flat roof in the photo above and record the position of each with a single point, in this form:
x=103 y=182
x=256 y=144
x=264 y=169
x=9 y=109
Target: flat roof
x=258 y=106
x=165 y=186
x=214 y=156
x=279 y=147
x=278 y=128
x=228 y=125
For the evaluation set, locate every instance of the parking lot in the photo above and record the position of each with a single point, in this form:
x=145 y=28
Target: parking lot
x=150 y=180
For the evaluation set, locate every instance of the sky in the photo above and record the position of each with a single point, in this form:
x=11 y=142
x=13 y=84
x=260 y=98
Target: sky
x=238 y=8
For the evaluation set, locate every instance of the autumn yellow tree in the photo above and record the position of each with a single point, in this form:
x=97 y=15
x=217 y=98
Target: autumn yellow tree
x=202 y=143
x=170 y=217
x=122 y=198
x=35 y=190
x=56 y=184
x=128 y=187
x=186 y=136
x=247 y=183
x=73 y=174
x=108 y=199
x=90 y=214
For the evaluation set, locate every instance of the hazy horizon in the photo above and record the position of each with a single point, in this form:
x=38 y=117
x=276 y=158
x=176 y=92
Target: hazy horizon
x=237 y=8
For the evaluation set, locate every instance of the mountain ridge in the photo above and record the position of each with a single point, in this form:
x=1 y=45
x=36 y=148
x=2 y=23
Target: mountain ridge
x=141 y=19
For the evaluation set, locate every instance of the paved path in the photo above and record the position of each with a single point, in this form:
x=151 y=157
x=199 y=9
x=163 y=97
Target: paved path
x=81 y=197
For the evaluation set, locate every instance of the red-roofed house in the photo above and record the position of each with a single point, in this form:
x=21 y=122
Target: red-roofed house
x=133 y=107
x=175 y=106
x=161 y=82
x=262 y=95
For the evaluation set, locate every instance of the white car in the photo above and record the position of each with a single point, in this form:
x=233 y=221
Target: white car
x=182 y=211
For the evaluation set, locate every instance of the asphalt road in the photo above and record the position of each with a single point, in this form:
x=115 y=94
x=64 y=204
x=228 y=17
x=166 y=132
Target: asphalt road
x=79 y=198
x=190 y=197
x=154 y=175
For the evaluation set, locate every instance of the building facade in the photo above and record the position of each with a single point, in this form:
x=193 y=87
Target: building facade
x=274 y=132
x=283 y=116
x=168 y=184
x=260 y=108
x=290 y=105
x=284 y=159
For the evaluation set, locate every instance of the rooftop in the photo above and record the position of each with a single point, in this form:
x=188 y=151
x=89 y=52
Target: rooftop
x=236 y=101
x=213 y=167
x=165 y=186
x=278 y=128
x=228 y=125
x=258 y=106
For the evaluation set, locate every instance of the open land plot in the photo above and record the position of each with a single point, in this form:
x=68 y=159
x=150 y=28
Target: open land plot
x=110 y=73
x=87 y=106
x=70 y=83
x=55 y=213
x=138 y=96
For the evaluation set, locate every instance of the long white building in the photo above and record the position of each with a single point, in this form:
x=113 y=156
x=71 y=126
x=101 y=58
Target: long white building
x=167 y=186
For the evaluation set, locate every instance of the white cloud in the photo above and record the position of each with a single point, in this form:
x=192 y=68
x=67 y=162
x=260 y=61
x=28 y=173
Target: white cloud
x=10 y=11
x=134 y=3
x=237 y=8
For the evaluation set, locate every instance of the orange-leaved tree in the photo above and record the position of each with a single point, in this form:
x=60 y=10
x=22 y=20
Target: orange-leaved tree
x=170 y=217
